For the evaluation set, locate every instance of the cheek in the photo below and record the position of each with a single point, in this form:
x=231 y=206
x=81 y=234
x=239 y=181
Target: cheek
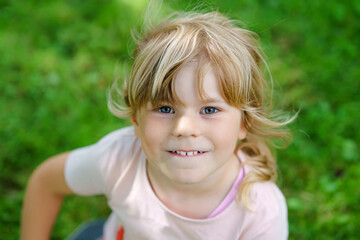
x=153 y=132
x=226 y=133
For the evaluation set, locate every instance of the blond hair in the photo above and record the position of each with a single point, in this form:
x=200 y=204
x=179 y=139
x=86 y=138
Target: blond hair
x=234 y=55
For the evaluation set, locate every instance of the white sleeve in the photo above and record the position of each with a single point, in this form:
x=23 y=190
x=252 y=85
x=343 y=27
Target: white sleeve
x=87 y=169
x=82 y=171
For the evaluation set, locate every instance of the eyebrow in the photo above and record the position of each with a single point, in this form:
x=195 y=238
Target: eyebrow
x=213 y=100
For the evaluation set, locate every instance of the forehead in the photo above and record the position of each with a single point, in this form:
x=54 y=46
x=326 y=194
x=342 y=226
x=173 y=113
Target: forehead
x=194 y=82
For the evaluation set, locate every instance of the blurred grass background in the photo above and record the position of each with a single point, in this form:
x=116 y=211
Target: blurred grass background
x=58 y=58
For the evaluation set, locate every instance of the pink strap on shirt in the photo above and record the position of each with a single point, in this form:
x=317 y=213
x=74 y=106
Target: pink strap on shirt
x=230 y=196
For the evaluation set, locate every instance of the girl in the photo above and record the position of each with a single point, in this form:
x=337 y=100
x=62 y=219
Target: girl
x=195 y=163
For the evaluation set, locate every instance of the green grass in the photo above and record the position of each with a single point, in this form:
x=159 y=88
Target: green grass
x=58 y=58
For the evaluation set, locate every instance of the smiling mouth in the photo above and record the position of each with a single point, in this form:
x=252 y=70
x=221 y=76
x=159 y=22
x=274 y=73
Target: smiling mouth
x=189 y=153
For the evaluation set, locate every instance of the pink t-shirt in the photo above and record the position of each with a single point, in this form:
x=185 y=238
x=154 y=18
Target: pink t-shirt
x=116 y=166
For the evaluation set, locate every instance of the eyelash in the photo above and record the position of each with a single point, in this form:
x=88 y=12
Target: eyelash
x=169 y=110
x=215 y=110
x=160 y=109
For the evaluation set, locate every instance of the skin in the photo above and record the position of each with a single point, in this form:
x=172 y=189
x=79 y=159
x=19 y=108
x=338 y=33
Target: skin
x=191 y=185
x=43 y=198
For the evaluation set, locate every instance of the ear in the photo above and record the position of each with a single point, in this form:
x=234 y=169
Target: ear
x=242 y=132
x=244 y=126
x=135 y=123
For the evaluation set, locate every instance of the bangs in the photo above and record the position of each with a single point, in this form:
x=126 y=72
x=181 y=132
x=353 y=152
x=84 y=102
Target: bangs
x=236 y=68
x=166 y=92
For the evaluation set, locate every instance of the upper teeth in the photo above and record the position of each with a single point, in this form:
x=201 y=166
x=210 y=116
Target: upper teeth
x=182 y=153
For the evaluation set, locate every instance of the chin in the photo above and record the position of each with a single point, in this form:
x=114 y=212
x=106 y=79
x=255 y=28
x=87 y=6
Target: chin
x=187 y=178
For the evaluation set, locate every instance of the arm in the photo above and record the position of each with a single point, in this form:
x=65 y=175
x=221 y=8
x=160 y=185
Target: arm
x=43 y=198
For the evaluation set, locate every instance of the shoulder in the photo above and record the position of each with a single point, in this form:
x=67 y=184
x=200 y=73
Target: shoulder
x=103 y=162
x=270 y=211
x=121 y=141
x=117 y=150
x=266 y=195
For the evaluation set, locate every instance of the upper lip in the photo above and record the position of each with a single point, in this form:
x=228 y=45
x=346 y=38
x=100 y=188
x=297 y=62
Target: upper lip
x=179 y=150
x=187 y=153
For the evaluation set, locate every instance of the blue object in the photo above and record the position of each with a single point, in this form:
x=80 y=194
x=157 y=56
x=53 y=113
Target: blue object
x=92 y=230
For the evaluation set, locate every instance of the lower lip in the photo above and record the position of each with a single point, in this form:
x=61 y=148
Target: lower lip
x=179 y=155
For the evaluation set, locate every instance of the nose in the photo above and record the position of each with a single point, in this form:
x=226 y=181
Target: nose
x=186 y=125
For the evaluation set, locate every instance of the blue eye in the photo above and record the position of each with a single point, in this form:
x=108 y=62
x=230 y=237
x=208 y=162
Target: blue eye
x=166 y=109
x=209 y=110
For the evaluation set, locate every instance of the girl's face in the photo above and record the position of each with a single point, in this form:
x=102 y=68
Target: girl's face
x=193 y=141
